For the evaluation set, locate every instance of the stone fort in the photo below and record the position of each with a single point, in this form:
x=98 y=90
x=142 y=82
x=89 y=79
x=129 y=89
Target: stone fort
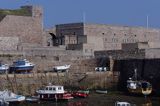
x=22 y=32
x=80 y=44
x=23 y=28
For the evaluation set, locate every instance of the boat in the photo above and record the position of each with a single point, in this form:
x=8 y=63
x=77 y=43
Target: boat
x=101 y=91
x=3 y=68
x=84 y=91
x=122 y=103
x=80 y=93
x=32 y=99
x=61 y=68
x=10 y=97
x=139 y=86
x=3 y=103
x=101 y=69
x=53 y=93
x=21 y=66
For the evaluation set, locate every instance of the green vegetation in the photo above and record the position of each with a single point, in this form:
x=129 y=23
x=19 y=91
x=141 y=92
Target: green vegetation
x=20 y=12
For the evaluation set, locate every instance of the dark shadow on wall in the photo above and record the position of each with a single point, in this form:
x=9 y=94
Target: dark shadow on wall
x=147 y=69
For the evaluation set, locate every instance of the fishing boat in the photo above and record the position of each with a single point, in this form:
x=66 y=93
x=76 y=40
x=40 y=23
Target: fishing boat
x=101 y=91
x=3 y=68
x=21 y=66
x=61 y=68
x=54 y=93
x=139 y=86
x=10 y=97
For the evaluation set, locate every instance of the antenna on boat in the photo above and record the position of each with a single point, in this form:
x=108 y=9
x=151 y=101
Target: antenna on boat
x=135 y=71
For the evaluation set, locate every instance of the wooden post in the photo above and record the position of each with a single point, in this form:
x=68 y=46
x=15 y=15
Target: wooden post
x=111 y=63
x=58 y=77
x=15 y=81
x=8 y=80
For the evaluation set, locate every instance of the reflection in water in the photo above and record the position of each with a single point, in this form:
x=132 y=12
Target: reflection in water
x=147 y=102
x=77 y=103
x=102 y=100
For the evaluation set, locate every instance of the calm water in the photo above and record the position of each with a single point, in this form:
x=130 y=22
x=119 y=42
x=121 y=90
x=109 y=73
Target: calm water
x=102 y=100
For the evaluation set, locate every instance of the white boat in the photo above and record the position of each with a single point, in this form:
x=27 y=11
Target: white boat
x=3 y=68
x=101 y=91
x=139 y=86
x=53 y=92
x=101 y=69
x=122 y=103
x=61 y=68
x=11 y=97
x=3 y=103
x=32 y=99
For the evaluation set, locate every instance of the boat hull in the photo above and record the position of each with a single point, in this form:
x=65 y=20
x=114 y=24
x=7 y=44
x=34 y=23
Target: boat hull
x=140 y=91
x=83 y=91
x=21 y=68
x=55 y=97
x=79 y=95
x=2 y=71
x=101 y=91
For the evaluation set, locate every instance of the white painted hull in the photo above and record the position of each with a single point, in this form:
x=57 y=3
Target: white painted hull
x=10 y=97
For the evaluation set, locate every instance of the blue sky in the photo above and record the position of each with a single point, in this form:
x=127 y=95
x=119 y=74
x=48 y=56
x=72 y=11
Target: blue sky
x=113 y=12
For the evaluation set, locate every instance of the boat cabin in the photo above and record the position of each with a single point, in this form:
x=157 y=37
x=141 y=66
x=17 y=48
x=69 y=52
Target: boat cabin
x=54 y=92
x=132 y=84
x=122 y=104
x=52 y=89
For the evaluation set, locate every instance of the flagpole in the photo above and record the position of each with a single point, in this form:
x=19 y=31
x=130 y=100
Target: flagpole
x=147 y=21
x=84 y=17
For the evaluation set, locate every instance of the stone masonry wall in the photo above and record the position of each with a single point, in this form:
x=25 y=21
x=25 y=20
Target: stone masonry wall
x=46 y=59
x=26 y=28
x=9 y=43
x=113 y=36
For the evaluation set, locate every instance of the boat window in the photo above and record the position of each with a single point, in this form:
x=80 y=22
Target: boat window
x=54 y=89
x=46 y=88
x=50 y=88
x=59 y=88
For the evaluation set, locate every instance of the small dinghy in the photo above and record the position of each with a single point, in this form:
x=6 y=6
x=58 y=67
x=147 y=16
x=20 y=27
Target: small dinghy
x=101 y=91
x=32 y=99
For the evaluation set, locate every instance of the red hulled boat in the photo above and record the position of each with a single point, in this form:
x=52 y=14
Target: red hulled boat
x=80 y=94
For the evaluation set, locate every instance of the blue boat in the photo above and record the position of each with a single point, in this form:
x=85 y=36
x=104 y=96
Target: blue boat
x=21 y=66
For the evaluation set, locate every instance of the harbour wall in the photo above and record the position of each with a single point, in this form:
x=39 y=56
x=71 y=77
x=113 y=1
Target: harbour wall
x=27 y=84
x=147 y=69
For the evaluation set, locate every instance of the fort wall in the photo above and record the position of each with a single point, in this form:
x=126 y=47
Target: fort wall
x=113 y=36
x=28 y=29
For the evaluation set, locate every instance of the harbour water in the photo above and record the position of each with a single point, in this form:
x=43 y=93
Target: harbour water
x=103 y=100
